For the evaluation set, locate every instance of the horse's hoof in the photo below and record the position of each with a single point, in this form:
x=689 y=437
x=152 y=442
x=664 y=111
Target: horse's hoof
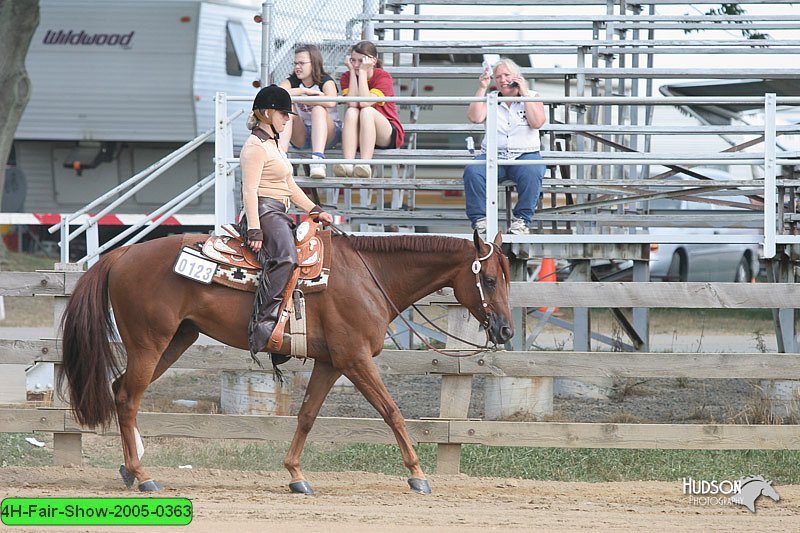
x=151 y=485
x=419 y=486
x=128 y=478
x=301 y=487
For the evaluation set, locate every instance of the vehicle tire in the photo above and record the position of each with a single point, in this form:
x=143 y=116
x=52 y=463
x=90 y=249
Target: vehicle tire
x=743 y=273
x=677 y=270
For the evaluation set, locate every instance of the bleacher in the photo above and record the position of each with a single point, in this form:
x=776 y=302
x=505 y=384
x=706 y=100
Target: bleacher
x=598 y=144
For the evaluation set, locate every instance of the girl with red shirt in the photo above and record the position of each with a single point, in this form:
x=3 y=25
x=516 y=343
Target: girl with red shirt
x=367 y=125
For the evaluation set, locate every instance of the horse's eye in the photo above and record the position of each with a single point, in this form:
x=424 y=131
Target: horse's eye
x=490 y=283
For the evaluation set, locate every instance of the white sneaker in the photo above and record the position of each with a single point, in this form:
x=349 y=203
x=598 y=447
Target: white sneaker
x=480 y=225
x=316 y=171
x=342 y=170
x=518 y=227
x=362 y=171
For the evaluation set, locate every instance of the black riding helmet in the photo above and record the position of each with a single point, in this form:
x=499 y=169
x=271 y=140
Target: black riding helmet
x=273 y=97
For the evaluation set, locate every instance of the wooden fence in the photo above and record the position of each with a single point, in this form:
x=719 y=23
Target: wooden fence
x=453 y=428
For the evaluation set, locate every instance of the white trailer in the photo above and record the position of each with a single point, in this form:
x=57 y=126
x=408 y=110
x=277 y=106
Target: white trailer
x=118 y=84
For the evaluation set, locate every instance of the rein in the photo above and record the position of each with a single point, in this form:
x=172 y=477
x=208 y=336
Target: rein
x=476 y=268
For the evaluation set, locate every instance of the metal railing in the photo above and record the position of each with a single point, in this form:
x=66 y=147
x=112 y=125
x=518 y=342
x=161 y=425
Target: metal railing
x=131 y=186
x=771 y=233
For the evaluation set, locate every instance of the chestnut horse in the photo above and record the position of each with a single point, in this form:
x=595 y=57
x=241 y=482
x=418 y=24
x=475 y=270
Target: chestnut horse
x=159 y=314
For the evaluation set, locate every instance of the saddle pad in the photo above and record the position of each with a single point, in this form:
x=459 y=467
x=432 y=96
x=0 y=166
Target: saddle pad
x=245 y=278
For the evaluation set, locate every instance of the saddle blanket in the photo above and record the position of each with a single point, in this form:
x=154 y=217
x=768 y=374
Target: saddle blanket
x=244 y=275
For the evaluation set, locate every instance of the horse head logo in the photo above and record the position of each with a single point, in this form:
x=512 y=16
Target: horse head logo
x=752 y=488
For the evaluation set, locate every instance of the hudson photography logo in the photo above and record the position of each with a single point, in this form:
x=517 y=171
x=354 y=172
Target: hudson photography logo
x=744 y=491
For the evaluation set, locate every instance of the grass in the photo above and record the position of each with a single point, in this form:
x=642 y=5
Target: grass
x=553 y=464
x=15 y=451
x=16 y=262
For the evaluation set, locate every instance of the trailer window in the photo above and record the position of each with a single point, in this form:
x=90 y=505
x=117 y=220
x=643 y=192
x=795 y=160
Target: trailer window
x=239 y=54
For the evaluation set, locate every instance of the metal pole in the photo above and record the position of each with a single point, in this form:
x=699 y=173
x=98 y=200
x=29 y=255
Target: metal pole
x=92 y=244
x=368 y=30
x=64 y=239
x=267 y=19
x=224 y=208
x=491 y=164
x=770 y=193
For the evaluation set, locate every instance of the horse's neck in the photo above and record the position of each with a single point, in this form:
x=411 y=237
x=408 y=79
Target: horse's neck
x=419 y=274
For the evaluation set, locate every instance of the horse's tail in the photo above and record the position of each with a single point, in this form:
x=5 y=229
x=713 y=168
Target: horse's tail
x=89 y=361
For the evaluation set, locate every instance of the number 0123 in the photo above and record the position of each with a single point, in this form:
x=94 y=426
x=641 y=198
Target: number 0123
x=194 y=267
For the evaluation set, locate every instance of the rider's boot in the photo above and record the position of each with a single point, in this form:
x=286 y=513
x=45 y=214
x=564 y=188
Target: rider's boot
x=276 y=275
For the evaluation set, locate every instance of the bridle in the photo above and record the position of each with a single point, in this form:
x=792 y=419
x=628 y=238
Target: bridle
x=476 y=269
x=487 y=315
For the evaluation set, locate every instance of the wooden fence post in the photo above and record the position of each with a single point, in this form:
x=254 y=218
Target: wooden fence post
x=456 y=389
x=516 y=396
x=66 y=446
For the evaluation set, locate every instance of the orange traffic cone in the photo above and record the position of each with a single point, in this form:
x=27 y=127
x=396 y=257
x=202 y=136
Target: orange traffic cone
x=547 y=273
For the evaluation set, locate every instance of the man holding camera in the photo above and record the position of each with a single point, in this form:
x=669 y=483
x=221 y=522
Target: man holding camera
x=518 y=126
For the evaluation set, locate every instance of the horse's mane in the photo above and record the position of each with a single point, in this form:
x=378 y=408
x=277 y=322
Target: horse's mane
x=407 y=243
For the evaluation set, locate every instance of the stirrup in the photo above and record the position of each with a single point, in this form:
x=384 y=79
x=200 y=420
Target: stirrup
x=276 y=339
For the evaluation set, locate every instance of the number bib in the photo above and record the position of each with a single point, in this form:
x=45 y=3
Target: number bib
x=193 y=266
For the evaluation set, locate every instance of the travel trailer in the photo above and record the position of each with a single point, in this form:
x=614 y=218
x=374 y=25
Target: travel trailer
x=116 y=86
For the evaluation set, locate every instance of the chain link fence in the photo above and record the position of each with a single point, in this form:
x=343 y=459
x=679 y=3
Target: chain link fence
x=332 y=25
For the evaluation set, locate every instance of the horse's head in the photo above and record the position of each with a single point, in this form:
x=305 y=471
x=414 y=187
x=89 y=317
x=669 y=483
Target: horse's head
x=768 y=490
x=483 y=289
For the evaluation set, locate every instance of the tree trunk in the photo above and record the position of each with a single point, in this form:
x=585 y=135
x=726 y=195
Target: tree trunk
x=18 y=21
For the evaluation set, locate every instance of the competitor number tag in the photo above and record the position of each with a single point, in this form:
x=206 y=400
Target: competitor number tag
x=192 y=266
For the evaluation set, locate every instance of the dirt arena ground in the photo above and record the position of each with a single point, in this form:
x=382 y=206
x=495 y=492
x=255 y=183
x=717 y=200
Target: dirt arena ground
x=354 y=502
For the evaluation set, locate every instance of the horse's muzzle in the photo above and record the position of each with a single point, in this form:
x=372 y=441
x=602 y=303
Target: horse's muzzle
x=500 y=330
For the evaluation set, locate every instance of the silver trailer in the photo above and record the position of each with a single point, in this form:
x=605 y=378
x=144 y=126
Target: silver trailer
x=117 y=85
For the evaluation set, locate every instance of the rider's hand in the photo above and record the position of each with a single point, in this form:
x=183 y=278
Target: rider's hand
x=255 y=239
x=321 y=215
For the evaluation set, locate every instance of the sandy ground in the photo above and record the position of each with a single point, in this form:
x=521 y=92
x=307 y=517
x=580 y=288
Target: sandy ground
x=357 y=501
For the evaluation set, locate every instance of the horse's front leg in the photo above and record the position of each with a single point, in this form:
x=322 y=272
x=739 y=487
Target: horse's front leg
x=323 y=376
x=366 y=378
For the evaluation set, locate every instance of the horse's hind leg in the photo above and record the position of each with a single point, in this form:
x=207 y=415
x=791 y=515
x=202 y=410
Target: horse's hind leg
x=323 y=376
x=366 y=378
x=129 y=388
x=186 y=335
x=128 y=391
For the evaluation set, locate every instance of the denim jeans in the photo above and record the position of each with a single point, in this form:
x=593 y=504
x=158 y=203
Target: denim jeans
x=528 y=179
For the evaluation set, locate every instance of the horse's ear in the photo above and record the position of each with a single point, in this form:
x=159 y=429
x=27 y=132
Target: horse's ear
x=477 y=240
x=498 y=239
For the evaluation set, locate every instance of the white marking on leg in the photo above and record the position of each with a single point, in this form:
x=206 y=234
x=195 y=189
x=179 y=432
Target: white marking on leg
x=139 y=443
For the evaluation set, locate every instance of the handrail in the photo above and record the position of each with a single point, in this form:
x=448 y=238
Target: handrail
x=676 y=161
x=561 y=2
x=578 y=17
x=594 y=100
x=162 y=213
x=537 y=17
x=133 y=184
x=167 y=159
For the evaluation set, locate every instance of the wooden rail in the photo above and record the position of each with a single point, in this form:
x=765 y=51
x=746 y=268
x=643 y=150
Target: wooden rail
x=453 y=431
